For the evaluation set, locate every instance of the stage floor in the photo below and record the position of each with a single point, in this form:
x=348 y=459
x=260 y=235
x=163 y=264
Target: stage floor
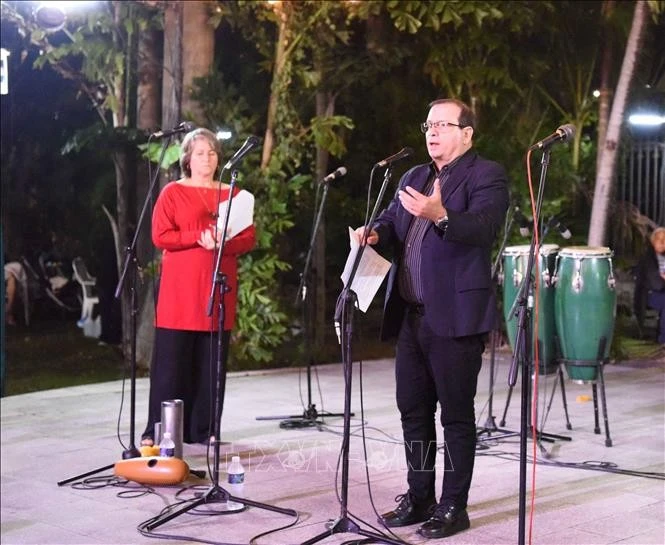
x=53 y=435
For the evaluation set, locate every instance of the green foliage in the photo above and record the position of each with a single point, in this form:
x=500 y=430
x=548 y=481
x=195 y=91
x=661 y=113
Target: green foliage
x=99 y=135
x=326 y=129
x=262 y=322
x=153 y=151
x=477 y=39
x=316 y=33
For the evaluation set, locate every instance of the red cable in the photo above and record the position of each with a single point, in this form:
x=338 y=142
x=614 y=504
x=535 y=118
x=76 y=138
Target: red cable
x=534 y=335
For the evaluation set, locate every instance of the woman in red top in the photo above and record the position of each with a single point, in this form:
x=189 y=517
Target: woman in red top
x=185 y=350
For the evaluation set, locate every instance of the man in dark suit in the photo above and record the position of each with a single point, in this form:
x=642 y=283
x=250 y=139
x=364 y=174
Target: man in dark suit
x=440 y=303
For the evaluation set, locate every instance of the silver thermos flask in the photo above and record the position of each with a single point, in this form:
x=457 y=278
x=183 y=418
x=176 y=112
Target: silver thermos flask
x=172 y=421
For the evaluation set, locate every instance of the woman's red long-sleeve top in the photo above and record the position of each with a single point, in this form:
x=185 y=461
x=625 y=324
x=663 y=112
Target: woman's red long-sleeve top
x=180 y=215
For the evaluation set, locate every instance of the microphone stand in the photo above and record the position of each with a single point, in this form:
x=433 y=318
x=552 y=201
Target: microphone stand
x=130 y=259
x=490 y=423
x=522 y=356
x=310 y=415
x=215 y=492
x=348 y=298
x=541 y=435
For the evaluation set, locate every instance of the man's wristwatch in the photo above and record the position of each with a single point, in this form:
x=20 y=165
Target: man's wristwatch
x=442 y=223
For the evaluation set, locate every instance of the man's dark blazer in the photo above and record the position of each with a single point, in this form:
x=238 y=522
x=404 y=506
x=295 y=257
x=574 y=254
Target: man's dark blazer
x=456 y=267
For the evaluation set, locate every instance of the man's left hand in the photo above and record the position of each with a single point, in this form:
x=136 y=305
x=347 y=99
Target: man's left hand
x=421 y=205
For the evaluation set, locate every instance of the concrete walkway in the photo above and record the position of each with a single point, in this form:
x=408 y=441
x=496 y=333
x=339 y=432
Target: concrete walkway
x=586 y=493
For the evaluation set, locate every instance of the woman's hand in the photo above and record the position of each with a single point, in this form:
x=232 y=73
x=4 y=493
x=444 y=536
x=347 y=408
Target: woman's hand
x=207 y=239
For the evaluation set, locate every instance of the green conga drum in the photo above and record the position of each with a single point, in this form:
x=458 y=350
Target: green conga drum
x=515 y=261
x=584 y=309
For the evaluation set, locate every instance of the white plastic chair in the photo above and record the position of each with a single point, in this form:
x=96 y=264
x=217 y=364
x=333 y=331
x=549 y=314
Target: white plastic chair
x=89 y=288
x=15 y=269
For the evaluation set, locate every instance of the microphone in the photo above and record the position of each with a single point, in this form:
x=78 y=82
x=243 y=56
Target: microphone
x=339 y=308
x=341 y=171
x=563 y=134
x=563 y=230
x=403 y=154
x=185 y=126
x=525 y=224
x=248 y=146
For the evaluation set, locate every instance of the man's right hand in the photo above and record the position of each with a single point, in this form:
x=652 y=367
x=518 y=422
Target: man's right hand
x=372 y=236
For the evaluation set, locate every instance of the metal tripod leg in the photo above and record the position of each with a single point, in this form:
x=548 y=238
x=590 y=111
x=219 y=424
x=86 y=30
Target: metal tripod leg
x=505 y=409
x=559 y=378
x=596 y=424
x=563 y=396
x=599 y=364
x=490 y=426
x=541 y=435
x=608 y=440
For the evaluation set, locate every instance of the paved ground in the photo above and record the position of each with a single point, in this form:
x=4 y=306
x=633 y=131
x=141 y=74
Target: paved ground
x=585 y=492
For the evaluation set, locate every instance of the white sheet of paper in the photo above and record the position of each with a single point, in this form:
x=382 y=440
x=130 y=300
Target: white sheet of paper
x=371 y=271
x=242 y=213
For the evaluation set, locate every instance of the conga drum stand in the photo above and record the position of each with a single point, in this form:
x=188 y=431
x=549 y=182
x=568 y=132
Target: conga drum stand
x=529 y=368
x=524 y=348
x=542 y=435
x=599 y=364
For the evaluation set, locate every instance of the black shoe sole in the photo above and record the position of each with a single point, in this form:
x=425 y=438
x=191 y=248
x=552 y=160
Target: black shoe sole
x=455 y=528
x=401 y=524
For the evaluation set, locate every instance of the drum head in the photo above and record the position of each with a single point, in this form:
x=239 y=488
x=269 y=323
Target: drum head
x=549 y=249
x=586 y=251
x=522 y=249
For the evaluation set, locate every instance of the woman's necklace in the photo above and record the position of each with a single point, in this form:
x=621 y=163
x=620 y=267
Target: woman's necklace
x=211 y=213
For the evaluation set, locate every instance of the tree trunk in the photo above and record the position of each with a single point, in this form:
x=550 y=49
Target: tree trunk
x=148 y=90
x=604 y=177
x=325 y=107
x=122 y=210
x=124 y=185
x=197 y=56
x=147 y=118
x=275 y=88
x=172 y=71
x=605 y=90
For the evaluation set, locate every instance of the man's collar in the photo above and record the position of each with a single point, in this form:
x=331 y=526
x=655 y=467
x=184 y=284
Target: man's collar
x=452 y=163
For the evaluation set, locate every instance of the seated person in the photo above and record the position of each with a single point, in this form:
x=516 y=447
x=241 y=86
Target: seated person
x=14 y=276
x=650 y=281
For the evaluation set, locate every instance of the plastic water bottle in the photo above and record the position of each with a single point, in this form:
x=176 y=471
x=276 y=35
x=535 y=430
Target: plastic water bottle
x=167 y=446
x=236 y=479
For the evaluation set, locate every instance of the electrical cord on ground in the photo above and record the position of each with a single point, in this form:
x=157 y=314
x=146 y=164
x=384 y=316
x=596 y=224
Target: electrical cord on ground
x=132 y=490
x=253 y=539
x=590 y=465
x=143 y=526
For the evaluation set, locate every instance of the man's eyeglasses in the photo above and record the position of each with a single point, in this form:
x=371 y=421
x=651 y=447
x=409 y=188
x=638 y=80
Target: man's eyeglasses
x=438 y=125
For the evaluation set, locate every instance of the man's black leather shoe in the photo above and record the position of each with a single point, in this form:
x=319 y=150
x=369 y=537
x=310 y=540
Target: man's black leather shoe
x=446 y=521
x=409 y=511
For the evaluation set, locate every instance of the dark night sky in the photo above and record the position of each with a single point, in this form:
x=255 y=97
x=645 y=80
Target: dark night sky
x=41 y=188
